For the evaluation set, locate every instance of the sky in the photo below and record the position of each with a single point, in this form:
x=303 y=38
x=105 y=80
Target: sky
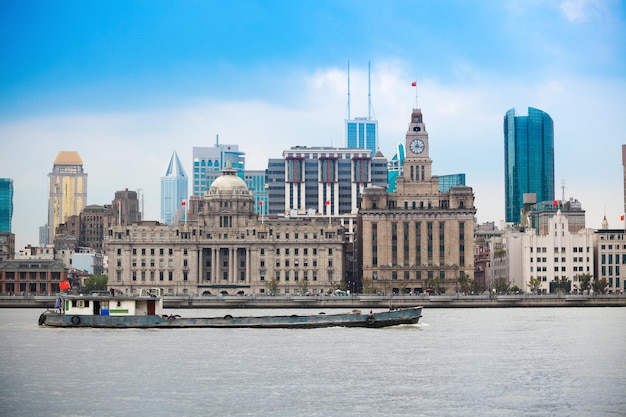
x=126 y=83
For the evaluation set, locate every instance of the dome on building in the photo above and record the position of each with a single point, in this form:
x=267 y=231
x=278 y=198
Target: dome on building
x=228 y=182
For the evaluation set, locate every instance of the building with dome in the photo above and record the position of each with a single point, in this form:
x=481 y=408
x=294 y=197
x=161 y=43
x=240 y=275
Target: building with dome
x=227 y=248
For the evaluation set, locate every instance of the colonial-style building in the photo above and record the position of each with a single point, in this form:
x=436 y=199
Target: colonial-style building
x=416 y=238
x=228 y=249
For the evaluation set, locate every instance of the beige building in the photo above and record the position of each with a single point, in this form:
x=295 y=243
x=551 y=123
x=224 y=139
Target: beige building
x=229 y=249
x=417 y=237
x=67 y=188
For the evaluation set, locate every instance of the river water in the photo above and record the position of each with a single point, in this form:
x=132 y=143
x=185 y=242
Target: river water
x=455 y=362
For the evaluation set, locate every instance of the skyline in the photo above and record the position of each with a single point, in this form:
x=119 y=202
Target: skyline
x=126 y=83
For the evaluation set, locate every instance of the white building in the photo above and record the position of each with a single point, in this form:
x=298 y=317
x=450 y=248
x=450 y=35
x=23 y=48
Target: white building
x=558 y=254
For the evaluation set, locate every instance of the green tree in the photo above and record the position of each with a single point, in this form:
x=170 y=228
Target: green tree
x=499 y=253
x=368 y=286
x=561 y=285
x=599 y=286
x=534 y=284
x=501 y=285
x=435 y=284
x=303 y=286
x=95 y=283
x=468 y=285
x=585 y=281
x=272 y=286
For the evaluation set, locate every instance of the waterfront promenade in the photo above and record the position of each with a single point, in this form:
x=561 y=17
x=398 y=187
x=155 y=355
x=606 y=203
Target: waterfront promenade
x=358 y=301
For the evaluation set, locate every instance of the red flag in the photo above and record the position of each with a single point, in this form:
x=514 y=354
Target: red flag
x=414 y=84
x=555 y=203
x=327 y=202
x=260 y=203
x=64 y=285
x=119 y=203
x=184 y=203
x=622 y=217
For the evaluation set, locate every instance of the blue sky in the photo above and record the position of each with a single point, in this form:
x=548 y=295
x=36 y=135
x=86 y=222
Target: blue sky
x=125 y=83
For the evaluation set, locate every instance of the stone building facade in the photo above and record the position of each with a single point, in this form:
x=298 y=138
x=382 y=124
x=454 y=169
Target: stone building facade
x=228 y=249
x=416 y=238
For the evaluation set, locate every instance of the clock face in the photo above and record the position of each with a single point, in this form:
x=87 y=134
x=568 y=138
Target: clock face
x=417 y=146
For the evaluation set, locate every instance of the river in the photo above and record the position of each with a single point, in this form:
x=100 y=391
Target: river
x=455 y=362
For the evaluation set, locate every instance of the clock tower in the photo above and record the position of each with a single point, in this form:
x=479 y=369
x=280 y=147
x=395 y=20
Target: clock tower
x=417 y=172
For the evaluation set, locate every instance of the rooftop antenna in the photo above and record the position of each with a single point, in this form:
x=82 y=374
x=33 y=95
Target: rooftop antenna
x=348 y=90
x=369 y=93
x=370 y=108
x=563 y=191
x=217 y=140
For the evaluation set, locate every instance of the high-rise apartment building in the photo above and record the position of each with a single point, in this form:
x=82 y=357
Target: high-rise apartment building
x=208 y=163
x=528 y=159
x=6 y=204
x=173 y=191
x=67 y=188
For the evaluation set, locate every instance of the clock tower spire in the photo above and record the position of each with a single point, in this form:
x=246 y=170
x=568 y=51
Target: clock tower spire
x=417 y=163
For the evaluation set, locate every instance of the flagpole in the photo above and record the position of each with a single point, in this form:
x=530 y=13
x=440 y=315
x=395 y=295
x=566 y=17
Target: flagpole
x=119 y=212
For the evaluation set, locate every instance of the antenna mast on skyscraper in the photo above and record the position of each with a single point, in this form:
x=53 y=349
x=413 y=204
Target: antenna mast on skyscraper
x=348 y=110
x=563 y=191
x=369 y=93
x=370 y=108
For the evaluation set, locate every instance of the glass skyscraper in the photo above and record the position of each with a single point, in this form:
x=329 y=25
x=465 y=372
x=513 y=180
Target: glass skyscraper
x=361 y=133
x=528 y=159
x=6 y=204
x=173 y=191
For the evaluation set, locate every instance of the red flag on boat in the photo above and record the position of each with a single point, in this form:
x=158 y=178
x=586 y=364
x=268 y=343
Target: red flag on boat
x=64 y=285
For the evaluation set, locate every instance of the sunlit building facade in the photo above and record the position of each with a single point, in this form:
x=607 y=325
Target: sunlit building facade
x=67 y=185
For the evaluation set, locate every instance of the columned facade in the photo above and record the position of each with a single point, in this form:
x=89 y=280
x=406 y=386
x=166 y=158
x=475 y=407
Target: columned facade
x=417 y=238
x=228 y=250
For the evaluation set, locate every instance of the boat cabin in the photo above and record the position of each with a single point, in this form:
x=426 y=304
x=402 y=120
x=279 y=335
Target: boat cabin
x=149 y=302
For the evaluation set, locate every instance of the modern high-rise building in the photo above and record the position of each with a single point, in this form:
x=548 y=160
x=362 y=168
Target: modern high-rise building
x=362 y=132
x=528 y=159
x=6 y=204
x=208 y=163
x=173 y=191
x=322 y=180
x=67 y=185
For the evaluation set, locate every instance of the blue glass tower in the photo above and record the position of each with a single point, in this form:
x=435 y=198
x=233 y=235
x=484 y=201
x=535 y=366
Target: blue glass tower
x=528 y=159
x=361 y=133
x=208 y=163
x=6 y=204
x=173 y=191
